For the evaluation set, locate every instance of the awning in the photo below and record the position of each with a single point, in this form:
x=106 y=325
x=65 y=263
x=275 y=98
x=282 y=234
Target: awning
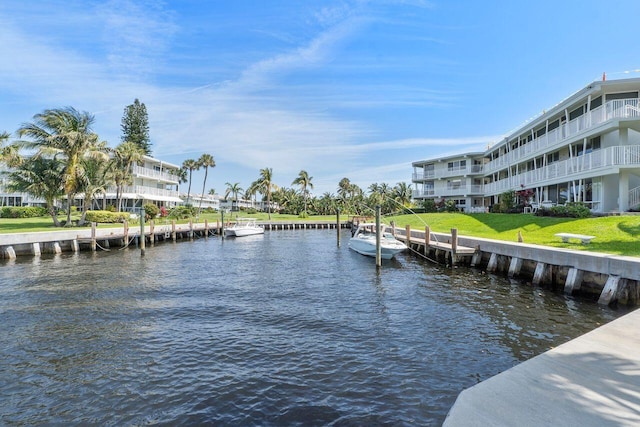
x=160 y=198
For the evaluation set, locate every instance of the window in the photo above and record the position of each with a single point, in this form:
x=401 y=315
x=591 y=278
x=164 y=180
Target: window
x=597 y=102
x=457 y=165
x=553 y=157
x=592 y=144
x=554 y=125
x=540 y=132
x=576 y=113
x=622 y=95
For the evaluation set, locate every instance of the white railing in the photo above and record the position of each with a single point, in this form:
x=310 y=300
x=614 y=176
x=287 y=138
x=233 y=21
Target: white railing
x=154 y=174
x=613 y=156
x=616 y=109
x=450 y=191
x=141 y=189
x=634 y=197
x=449 y=172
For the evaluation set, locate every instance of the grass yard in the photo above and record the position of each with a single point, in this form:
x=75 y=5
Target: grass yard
x=618 y=235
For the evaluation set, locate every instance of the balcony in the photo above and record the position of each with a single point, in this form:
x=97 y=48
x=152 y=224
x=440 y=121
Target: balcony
x=462 y=191
x=143 y=172
x=447 y=173
x=619 y=156
x=616 y=109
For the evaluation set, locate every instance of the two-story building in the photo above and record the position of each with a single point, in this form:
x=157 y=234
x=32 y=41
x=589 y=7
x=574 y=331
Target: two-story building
x=586 y=148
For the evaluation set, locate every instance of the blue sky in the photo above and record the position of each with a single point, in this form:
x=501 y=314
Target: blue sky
x=345 y=88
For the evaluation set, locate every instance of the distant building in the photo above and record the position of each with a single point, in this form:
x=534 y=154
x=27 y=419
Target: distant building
x=154 y=181
x=586 y=148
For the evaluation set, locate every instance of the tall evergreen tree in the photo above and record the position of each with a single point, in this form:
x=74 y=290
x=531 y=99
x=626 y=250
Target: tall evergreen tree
x=135 y=126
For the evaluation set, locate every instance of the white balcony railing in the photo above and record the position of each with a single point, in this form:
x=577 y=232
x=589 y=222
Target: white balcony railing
x=145 y=191
x=154 y=174
x=465 y=190
x=449 y=172
x=567 y=169
x=616 y=109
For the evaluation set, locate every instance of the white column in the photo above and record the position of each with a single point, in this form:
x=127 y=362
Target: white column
x=623 y=191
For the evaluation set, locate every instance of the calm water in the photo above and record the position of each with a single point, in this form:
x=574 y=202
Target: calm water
x=280 y=329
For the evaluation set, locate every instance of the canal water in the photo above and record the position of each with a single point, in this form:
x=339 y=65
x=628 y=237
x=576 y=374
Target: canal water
x=281 y=329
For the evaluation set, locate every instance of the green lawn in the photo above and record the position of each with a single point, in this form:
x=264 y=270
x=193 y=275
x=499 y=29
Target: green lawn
x=614 y=234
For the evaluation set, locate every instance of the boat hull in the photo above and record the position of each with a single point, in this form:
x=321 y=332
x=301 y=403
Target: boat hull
x=241 y=232
x=367 y=247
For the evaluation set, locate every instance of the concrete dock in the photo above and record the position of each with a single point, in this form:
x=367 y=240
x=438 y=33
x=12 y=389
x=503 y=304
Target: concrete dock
x=593 y=380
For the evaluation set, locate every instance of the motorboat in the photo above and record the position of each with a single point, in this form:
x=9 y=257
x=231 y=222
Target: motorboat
x=244 y=227
x=363 y=241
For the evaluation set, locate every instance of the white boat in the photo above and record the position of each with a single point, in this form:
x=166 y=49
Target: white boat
x=364 y=242
x=244 y=227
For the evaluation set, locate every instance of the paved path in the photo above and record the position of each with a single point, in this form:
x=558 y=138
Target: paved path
x=593 y=380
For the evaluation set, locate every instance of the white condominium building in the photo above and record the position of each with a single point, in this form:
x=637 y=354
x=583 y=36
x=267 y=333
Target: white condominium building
x=586 y=149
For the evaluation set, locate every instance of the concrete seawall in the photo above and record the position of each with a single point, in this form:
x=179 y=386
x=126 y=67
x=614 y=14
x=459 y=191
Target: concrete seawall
x=609 y=278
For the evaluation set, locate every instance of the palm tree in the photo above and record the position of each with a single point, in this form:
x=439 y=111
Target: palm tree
x=189 y=166
x=125 y=156
x=402 y=194
x=304 y=181
x=42 y=178
x=96 y=180
x=205 y=161
x=234 y=189
x=65 y=134
x=265 y=186
x=9 y=154
x=344 y=190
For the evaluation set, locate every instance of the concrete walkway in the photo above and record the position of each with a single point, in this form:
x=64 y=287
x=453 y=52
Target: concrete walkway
x=593 y=380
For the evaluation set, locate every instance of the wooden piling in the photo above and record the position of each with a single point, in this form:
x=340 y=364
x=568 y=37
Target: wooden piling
x=93 y=237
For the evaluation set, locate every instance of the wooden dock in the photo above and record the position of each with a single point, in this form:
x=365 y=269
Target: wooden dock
x=440 y=248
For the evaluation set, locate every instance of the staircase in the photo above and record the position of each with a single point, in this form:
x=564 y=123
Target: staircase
x=634 y=198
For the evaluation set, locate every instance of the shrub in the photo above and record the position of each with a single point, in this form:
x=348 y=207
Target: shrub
x=303 y=214
x=429 y=206
x=150 y=211
x=23 y=212
x=182 y=212
x=450 y=206
x=569 y=210
x=106 y=217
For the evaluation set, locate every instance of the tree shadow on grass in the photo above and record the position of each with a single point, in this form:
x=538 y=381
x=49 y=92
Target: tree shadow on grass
x=506 y=222
x=632 y=230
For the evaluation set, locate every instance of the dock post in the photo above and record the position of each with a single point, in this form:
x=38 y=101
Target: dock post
x=142 y=236
x=338 y=225
x=206 y=228
x=515 y=266
x=173 y=230
x=222 y=226
x=541 y=273
x=36 y=249
x=152 y=236
x=378 y=246
x=93 y=237
x=75 y=247
x=9 y=252
x=125 y=237
x=218 y=227
x=574 y=280
x=610 y=291
x=191 y=229
x=407 y=230
x=454 y=241
x=427 y=239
